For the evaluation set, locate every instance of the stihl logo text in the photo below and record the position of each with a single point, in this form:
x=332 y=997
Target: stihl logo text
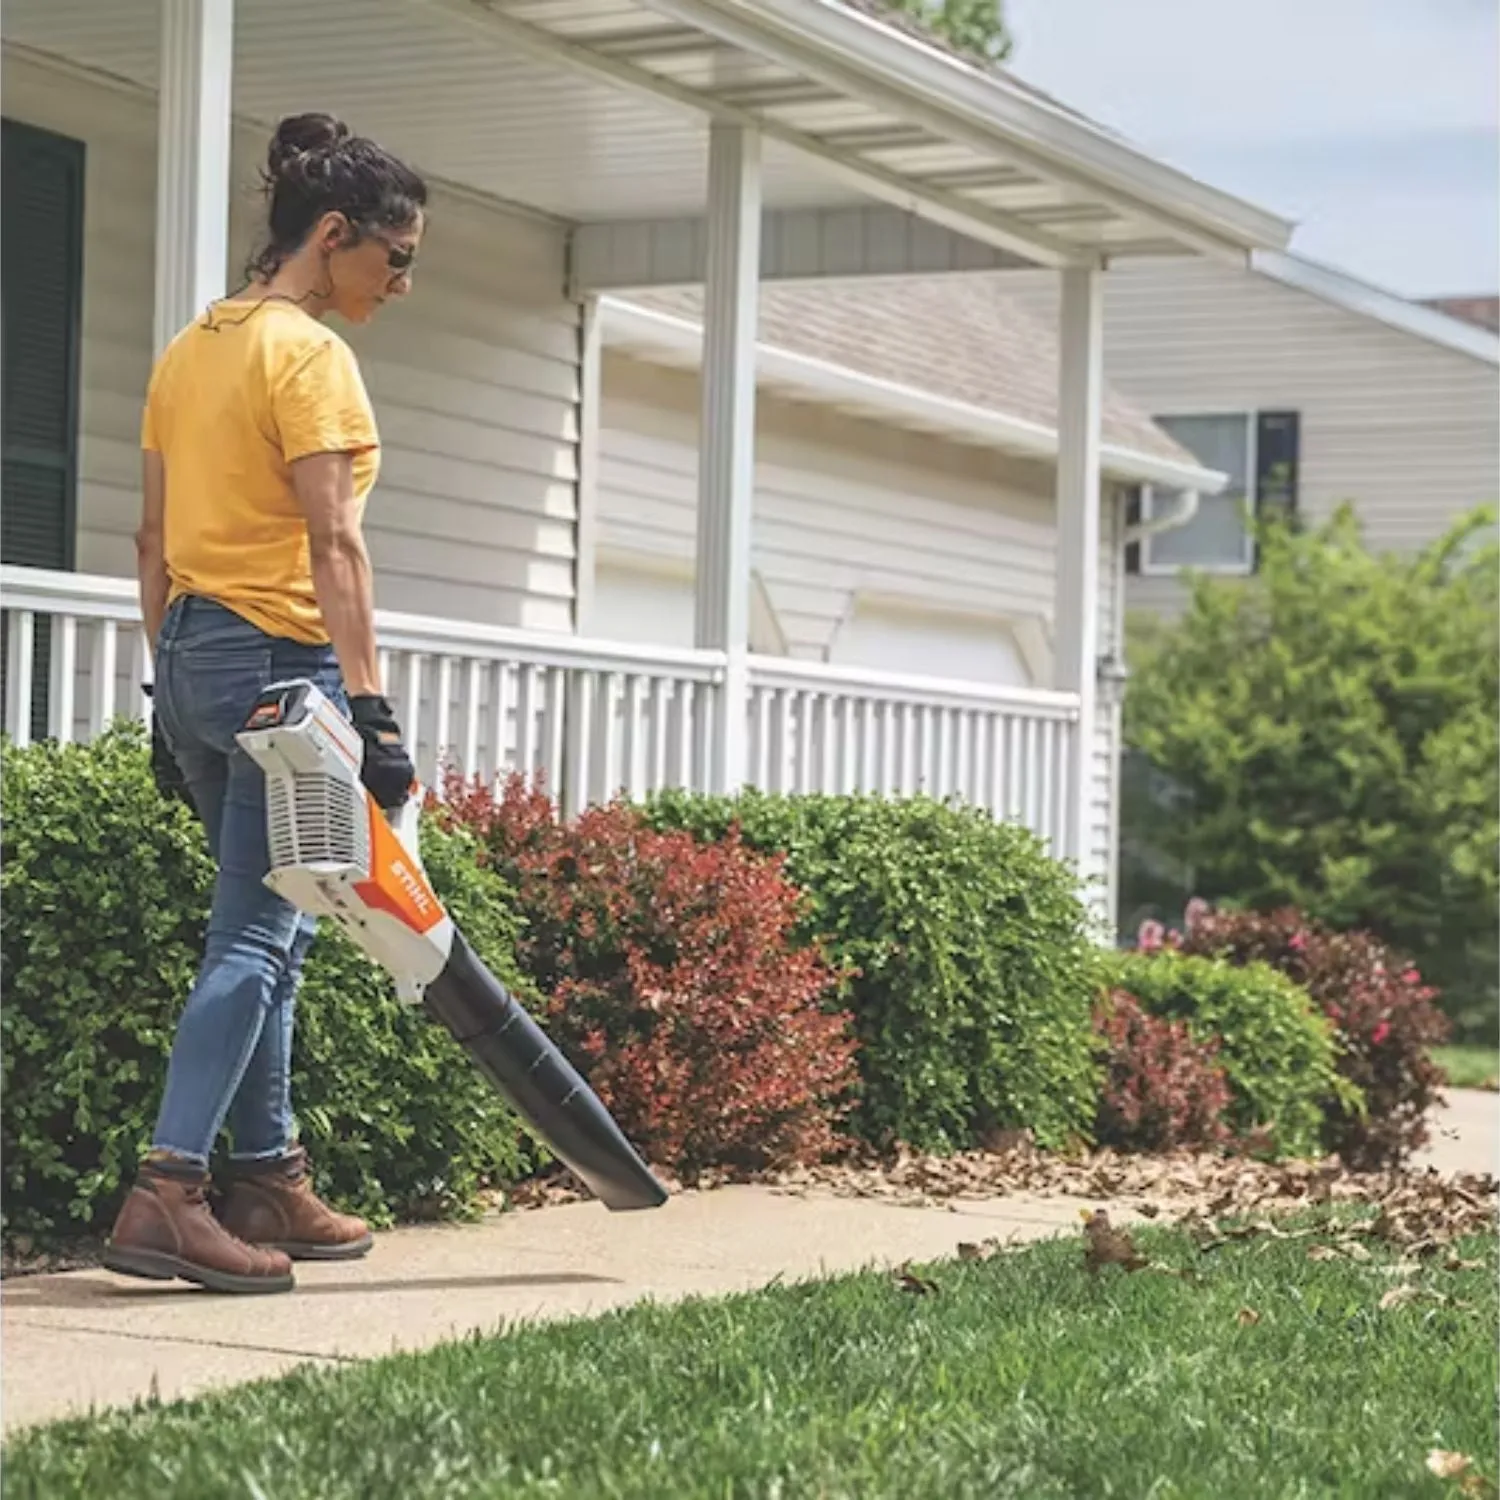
x=412 y=886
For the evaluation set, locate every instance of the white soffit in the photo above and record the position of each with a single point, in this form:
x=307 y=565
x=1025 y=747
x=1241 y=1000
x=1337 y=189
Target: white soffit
x=592 y=110
x=660 y=338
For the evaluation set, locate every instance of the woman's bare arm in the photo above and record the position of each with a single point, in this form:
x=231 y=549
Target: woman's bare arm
x=342 y=577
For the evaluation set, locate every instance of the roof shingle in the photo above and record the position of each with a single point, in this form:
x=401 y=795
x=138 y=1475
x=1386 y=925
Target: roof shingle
x=957 y=336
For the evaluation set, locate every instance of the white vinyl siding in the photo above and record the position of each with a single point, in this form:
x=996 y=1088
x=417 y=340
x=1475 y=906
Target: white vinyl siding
x=850 y=519
x=474 y=378
x=1404 y=429
x=843 y=508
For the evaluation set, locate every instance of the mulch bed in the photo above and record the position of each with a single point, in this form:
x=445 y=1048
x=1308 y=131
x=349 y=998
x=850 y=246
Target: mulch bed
x=1191 y=1188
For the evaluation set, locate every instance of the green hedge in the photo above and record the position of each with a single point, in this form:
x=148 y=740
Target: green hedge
x=104 y=896
x=1277 y=1049
x=976 y=970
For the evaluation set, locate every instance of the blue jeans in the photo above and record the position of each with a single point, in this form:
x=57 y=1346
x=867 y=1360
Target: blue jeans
x=232 y=1054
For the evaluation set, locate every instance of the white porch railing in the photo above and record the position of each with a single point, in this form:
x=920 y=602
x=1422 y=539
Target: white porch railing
x=593 y=717
x=816 y=728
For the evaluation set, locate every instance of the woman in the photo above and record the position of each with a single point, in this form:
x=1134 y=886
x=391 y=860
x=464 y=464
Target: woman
x=260 y=448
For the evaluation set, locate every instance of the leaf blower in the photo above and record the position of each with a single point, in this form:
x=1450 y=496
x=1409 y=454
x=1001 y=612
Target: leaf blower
x=336 y=854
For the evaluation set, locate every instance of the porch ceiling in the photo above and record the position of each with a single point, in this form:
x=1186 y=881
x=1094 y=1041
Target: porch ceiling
x=594 y=110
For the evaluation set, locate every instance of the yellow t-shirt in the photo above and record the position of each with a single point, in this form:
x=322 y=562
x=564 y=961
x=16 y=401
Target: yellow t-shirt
x=235 y=399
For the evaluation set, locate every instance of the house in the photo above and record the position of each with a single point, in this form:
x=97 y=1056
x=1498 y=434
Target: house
x=1308 y=388
x=1483 y=312
x=656 y=507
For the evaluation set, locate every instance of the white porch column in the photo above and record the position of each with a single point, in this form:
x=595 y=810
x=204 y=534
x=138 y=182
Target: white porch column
x=726 y=458
x=1080 y=390
x=192 y=160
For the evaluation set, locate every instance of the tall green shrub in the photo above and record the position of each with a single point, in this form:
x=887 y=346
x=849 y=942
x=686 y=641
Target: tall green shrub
x=1330 y=731
x=1275 y=1046
x=104 y=890
x=974 y=969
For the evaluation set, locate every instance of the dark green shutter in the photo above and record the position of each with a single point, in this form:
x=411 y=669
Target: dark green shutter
x=1277 y=451
x=1133 y=518
x=41 y=265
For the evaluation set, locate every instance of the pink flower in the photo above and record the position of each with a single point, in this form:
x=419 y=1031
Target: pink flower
x=1195 y=912
x=1410 y=976
x=1149 y=937
x=1297 y=941
x=1380 y=1033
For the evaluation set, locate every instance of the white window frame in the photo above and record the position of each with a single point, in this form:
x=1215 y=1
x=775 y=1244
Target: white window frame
x=1245 y=565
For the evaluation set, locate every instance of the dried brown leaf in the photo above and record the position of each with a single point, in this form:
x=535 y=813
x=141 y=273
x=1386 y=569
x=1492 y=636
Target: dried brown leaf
x=1322 y=1252
x=1247 y=1316
x=1447 y=1464
x=1398 y=1296
x=909 y=1281
x=1454 y=1263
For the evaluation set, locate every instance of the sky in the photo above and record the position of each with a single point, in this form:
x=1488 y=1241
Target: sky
x=1374 y=124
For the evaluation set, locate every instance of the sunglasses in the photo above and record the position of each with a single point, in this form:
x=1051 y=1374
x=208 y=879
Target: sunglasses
x=399 y=257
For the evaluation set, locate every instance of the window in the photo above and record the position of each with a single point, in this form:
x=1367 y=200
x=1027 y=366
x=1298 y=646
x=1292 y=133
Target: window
x=41 y=246
x=1216 y=539
x=1259 y=453
x=41 y=224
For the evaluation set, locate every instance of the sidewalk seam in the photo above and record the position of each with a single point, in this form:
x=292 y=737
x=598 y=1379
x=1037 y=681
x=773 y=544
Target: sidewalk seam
x=194 y=1343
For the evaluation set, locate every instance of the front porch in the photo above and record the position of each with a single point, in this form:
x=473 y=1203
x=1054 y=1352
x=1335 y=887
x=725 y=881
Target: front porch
x=580 y=151
x=593 y=718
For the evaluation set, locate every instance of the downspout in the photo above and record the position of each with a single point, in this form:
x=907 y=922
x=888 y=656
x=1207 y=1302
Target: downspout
x=1169 y=522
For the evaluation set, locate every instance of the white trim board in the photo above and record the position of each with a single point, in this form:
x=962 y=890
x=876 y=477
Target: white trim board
x=1343 y=290
x=664 y=338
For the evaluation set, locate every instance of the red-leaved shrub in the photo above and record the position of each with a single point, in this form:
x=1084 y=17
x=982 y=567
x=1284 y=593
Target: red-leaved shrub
x=1162 y=1090
x=1387 y=1021
x=672 y=980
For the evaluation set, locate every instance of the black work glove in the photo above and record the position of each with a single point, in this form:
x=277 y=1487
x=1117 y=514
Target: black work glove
x=388 y=771
x=165 y=771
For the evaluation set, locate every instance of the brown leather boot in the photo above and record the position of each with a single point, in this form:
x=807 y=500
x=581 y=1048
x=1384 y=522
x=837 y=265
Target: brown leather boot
x=166 y=1229
x=273 y=1203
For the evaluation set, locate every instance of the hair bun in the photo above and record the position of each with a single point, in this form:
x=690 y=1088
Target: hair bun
x=301 y=137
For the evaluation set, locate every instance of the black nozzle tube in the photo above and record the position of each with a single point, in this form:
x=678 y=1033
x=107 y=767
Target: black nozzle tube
x=544 y=1088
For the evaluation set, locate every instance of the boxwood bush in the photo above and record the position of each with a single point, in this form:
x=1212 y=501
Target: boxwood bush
x=974 y=970
x=102 y=907
x=1277 y=1050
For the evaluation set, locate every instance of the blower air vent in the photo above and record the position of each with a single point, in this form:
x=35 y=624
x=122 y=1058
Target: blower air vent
x=315 y=819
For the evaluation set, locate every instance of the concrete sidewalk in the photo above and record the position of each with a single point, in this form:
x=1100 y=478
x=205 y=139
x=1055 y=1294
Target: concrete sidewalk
x=83 y=1337
x=1465 y=1133
x=75 y=1338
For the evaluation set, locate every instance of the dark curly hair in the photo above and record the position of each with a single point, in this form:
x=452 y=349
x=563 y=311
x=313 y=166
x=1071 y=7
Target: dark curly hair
x=315 y=167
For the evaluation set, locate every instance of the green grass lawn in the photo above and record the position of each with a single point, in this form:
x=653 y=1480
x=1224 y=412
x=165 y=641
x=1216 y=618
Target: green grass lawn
x=1469 y=1067
x=1261 y=1373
